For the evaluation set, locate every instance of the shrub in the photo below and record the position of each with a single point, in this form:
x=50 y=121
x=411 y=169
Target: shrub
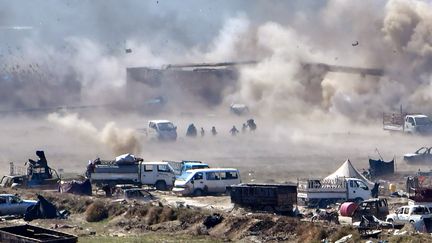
x=96 y=212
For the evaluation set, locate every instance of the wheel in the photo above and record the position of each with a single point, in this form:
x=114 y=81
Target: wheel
x=411 y=221
x=390 y=221
x=161 y=185
x=198 y=192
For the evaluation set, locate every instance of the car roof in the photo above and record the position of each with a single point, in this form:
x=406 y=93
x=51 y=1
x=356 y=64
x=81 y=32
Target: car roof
x=6 y=195
x=214 y=170
x=195 y=163
x=160 y=121
x=418 y=116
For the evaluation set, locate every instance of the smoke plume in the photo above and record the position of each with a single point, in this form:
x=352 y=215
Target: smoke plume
x=118 y=140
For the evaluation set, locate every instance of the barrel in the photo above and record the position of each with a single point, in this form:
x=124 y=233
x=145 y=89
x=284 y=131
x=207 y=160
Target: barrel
x=392 y=187
x=347 y=209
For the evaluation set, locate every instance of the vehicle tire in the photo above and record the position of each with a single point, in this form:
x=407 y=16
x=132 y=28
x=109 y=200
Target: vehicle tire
x=411 y=221
x=390 y=221
x=198 y=192
x=161 y=185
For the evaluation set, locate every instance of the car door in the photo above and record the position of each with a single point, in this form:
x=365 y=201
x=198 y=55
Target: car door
x=147 y=174
x=4 y=209
x=213 y=182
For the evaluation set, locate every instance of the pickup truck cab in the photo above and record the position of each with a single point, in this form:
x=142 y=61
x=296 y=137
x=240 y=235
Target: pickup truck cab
x=13 y=205
x=408 y=123
x=162 y=130
x=409 y=214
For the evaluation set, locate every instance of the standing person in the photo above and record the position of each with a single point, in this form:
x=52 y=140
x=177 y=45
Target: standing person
x=234 y=131
x=191 y=131
x=251 y=124
x=202 y=132
x=213 y=131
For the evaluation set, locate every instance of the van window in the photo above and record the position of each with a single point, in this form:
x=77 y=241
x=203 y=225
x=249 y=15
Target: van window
x=198 y=176
x=148 y=167
x=2 y=200
x=212 y=176
x=406 y=211
x=411 y=120
x=228 y=175
x=163 y=168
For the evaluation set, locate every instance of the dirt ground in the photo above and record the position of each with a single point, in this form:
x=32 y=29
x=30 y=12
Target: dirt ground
x=276 y=152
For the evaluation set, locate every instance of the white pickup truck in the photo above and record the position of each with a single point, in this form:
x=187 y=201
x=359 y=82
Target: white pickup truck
x=321 y=193
x=408 y=123
x=158 y=174
x=409 y=214
x=161 y=130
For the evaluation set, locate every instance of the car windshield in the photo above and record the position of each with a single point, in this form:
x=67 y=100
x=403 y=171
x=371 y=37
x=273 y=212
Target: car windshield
x=422 y=121
x=184 y=176
x=166 y=126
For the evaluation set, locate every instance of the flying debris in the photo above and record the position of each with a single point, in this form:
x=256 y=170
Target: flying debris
x=128 y=50
x=355 y=43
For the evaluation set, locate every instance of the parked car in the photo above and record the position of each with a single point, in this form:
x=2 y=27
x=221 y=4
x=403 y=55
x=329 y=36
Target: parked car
x=409 y=214
x=200 y=182
x=13 y=205
x=421 y=155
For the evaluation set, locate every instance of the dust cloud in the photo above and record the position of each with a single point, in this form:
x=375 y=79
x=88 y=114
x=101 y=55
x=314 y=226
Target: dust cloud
x=118 y=140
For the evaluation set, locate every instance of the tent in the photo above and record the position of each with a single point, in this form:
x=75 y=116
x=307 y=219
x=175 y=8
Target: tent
x=348 y=170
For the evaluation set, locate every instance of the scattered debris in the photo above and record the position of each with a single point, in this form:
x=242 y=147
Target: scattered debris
x=212 y=220
x=29 y=234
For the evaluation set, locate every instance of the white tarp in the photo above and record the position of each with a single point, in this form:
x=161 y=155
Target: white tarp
x=347 y=170
x=125 y=159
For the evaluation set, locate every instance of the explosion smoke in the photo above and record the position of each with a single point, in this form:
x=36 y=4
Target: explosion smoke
x=118 y=140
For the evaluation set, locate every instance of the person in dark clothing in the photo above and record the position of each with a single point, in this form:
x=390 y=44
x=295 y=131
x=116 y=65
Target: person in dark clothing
x=191 y=131
x=213 y=131
x=202 y=132
x=234 y=131
x=251 y=124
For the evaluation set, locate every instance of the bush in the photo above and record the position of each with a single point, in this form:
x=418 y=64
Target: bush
x=96 y=212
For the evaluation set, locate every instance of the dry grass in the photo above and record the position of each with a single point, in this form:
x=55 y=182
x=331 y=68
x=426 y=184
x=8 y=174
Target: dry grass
x=96 y=212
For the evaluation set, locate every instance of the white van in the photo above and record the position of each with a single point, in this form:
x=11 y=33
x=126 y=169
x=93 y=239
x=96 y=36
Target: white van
x=162 y=130
x=200 y=182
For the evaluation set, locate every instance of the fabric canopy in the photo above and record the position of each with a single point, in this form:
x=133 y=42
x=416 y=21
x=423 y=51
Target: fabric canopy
x=347 y=170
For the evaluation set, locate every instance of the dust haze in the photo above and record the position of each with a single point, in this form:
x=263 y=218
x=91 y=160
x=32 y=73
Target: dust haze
x=63 y=81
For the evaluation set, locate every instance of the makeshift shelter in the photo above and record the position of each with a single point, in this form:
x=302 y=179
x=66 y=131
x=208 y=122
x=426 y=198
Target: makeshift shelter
x=347 y=170
x=381 y=167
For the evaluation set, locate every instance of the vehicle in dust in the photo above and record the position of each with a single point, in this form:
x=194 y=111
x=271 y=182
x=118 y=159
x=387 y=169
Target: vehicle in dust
x=409 y=214
x=161 y=130
x=181 y=167
x=320 y=193
x=13 y=205
x=158 y=174
x=206 y=181
x=408 y=123
x=423 y=154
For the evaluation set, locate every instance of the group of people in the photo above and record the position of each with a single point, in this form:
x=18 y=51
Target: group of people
x=193 y=132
